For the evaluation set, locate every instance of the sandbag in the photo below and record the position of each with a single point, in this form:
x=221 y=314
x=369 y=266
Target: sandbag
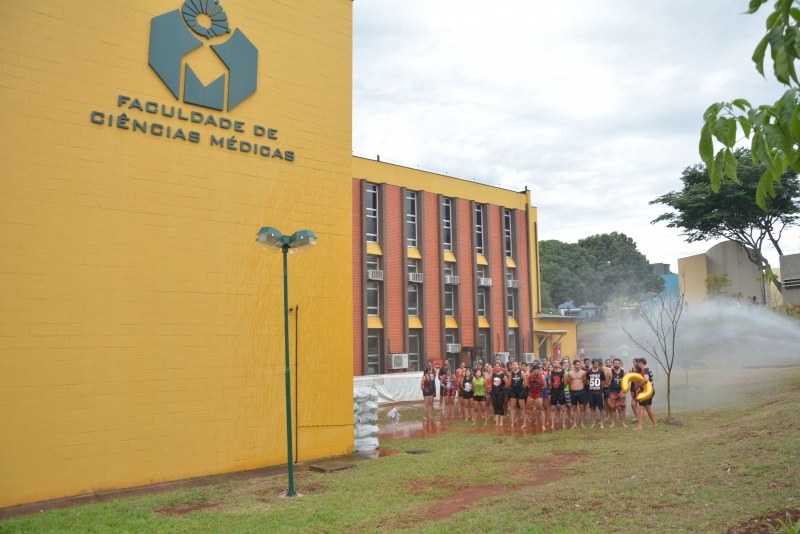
x=366 y=444
x=366 y=418
x=369 y=406
x=365 y=431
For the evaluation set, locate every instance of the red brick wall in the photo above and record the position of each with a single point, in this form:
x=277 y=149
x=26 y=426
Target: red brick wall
x=433 y=311
x=496 y=262
x=393 y=269
x=358 y=279
x=524 y=315
x=466 y=270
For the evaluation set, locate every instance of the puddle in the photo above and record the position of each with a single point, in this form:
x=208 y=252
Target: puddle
x=430 y=428
x=371 y=455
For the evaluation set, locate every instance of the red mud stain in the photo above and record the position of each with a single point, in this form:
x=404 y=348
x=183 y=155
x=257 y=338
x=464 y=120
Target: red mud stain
x=463 y=500
x=183 y=509
x=768 y=523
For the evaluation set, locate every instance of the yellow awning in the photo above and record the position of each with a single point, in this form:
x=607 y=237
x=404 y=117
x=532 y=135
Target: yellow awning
x=483 y=323
x=482 y=260
x=414 y=322
x=510 y=263
x=512 y=323
x=413 y=253
x=374 y=249
x=449 y=256
x=373 y=321
x=450 y=322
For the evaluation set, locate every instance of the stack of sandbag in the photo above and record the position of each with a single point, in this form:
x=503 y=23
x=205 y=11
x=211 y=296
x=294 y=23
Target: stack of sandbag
x=365 y=412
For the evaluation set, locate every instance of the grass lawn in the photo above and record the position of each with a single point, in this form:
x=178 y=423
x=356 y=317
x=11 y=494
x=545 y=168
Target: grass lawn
x=721 y=468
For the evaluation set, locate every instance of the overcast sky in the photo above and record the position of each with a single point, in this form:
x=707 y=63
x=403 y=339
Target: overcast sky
x=596 y=106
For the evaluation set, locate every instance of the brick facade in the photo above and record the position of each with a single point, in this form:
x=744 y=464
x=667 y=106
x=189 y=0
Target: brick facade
x=466 y=272
x=497 y=258
x=433 y=273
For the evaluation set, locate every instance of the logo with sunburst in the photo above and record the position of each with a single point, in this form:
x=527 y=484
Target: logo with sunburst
x=173 y=36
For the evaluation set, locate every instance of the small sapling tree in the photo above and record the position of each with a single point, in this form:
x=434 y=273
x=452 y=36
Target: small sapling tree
x=661 y=316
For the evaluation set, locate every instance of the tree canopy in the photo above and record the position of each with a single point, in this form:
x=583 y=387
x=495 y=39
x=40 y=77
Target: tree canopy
x=732 y=213
x=594 y=269
x=773 y=130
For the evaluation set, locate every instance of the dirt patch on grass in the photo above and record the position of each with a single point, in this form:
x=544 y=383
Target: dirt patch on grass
x=462 y=499
x=183 y=509
x=767 y=524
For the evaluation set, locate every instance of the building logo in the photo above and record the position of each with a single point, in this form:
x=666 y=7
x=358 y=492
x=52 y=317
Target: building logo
x=174 y=34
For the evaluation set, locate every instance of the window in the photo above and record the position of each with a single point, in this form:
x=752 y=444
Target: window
x=373 y=263
x=451 y=335
x=511 y=274
x=483 y=344
x=511 y=299
x=483 y=271
x=373 y=352
x=479 y=229
x=512 y=342
x=413 y=350
x=413 y=266
x=373 y=298
x=447 y=224
x=413 y=300
x=449 y=301
x=507 y=232
x=448 y=269
x=481 y=302
x=372 y=213
x=411 y=218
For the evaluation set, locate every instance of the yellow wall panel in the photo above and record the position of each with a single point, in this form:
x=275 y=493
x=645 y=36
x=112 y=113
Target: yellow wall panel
x=142 y=332
x=692 y=274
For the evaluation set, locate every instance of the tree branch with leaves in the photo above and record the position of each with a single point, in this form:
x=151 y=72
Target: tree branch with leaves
x=773 y=130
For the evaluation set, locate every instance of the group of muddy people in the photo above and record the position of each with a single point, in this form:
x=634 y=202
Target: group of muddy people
x=542 y=395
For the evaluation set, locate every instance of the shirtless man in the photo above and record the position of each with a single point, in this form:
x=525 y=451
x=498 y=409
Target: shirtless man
x=577 y=391
x=646 y=405
x=617 y=398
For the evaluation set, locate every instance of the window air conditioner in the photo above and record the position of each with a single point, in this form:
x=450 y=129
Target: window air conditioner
x=451 y=280
x=528 y=357
x=454 y=348
x=416 y=277
x=374 y=274
x=484 y=282
x=398 y=361
x=514 y=284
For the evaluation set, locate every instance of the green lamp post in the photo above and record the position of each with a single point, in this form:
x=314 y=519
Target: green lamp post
x=273 y=239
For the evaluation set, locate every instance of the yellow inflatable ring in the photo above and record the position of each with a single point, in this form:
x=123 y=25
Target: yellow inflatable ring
x=628 y=378
x=647 y=392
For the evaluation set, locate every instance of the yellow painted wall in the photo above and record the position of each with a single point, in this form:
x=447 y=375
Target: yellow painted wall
x=692 y=273
x=569 y=342
x=141 y=328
